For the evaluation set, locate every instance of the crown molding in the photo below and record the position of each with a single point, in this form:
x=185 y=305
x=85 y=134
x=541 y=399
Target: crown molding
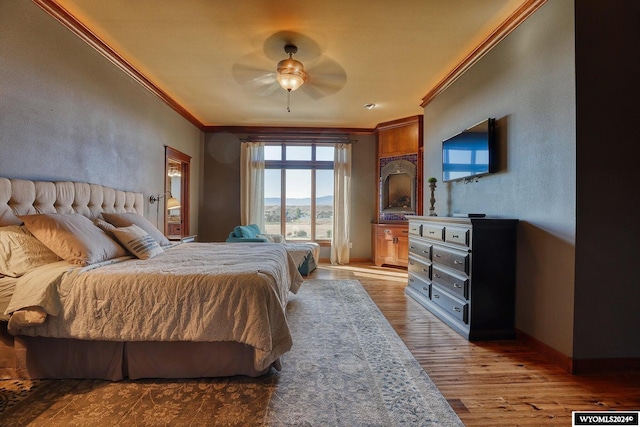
x=315 y=133
x=79 y=29
x=525 y=10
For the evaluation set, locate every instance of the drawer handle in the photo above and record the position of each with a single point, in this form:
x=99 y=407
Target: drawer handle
x=432 y=232
x=458 y=309
x=438 y=276
x=425 y=252
x=438 y=256
x=410 y=263
x=436 y=296
x=455 y=236
x=455 y=285
x=412 y=247
x=410 y=279
x=424 y=288
x=426 y=271
x=457 y=262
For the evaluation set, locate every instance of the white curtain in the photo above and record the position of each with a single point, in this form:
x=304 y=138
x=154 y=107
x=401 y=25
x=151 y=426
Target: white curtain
x=252 y=184
x=341 y=204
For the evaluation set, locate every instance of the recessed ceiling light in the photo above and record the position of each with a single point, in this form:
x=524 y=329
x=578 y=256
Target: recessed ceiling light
x=369 y=106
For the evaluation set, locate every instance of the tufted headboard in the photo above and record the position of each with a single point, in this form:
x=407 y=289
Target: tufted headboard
x=23 y=197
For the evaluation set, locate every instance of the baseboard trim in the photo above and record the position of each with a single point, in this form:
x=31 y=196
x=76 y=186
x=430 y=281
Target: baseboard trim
x=578 y=366
x=548 y=353
x=351 y=260
x=602 y=366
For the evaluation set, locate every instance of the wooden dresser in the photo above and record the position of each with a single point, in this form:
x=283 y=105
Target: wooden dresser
x=463 y=270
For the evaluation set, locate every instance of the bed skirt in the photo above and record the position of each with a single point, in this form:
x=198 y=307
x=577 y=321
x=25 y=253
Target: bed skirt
x=38 y=358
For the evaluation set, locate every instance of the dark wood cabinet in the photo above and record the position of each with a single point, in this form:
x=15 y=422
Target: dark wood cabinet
x=174 y=229
x=463 y=270
x=390 y=244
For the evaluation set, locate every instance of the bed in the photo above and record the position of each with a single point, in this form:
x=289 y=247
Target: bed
x=304 y=254
x=187 y=310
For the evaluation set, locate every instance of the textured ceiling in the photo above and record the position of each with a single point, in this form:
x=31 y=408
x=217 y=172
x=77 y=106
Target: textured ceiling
x=217 y=59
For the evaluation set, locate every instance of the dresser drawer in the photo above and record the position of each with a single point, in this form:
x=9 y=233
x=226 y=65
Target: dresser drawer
x=459 y=236
x=434 y=232
x=420 y=267
x=420 y=248
x=415 y=228
x=174 y=228
x=421 y=286
x=453 y=259
x=452 y=306
x=392 y=231
x=454 y=284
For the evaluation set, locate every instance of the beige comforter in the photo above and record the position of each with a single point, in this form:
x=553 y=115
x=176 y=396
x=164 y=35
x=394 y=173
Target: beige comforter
x=192 y=292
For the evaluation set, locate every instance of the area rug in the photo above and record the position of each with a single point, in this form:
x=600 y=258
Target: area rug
x=347 y=367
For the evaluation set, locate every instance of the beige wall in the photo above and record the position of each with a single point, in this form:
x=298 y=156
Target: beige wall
x=527 y=84
x=221 y=190
x=66 y=113
x=220 y=211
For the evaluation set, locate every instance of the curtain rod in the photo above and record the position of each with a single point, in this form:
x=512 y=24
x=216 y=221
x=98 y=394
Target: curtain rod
x=323 y=139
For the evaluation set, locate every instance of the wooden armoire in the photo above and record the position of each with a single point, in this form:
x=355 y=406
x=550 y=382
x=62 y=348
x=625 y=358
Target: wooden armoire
x=399 y=152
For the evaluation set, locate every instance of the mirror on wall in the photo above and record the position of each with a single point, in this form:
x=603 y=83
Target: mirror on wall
x=176 y=220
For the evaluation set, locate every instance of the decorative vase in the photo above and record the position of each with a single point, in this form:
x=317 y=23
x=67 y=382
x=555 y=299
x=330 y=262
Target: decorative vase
x=432 y=200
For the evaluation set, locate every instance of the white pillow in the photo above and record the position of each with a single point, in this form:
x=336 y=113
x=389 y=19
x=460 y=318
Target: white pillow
x=105 y=226
x=20 y=251
x=73 y=237
x=127 y=219
x=273 y=238
x=138 y=241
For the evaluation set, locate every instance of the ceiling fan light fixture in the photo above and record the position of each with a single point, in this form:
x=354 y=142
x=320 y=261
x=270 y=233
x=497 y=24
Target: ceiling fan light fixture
x=291 y=74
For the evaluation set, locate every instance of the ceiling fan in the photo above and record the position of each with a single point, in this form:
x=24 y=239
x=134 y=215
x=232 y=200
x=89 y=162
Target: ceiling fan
x=319 y=77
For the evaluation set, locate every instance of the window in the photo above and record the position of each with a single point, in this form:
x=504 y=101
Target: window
x=298 y=191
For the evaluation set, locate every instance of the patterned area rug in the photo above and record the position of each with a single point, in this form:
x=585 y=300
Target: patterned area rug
x=347 y=367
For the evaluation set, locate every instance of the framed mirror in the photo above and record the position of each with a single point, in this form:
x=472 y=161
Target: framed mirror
x=176 y=201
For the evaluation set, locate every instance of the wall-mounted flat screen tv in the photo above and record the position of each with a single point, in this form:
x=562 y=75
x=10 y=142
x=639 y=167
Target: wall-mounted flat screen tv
x=471 y=153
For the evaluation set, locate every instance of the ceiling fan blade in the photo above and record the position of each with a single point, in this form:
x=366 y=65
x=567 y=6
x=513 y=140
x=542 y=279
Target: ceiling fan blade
x=326 y=77
x=256 y=78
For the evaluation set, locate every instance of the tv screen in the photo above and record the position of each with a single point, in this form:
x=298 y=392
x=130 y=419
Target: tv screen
x=470 y=153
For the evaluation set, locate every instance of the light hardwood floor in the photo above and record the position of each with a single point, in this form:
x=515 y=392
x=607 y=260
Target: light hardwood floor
x=497 y=383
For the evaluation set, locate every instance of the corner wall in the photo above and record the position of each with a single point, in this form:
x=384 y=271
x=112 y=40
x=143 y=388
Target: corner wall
x=608 y=230
x=527 y=84
x=67 y=113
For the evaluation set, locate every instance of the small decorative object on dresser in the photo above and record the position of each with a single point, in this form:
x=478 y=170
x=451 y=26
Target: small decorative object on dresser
x=463 y=270
x=432 y=186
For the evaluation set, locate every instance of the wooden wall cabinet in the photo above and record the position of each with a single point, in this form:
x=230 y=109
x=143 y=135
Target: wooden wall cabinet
x=400 y=138
x=390 y=243
x=398 y=141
